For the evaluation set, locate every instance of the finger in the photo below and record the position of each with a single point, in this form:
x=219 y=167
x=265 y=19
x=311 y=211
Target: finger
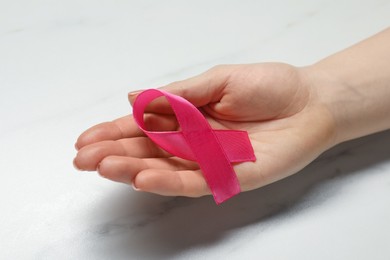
x=125 y=127
x=91 y=155
x=199 y=90
x=120 y=128
x=172 y=183
x=123 y=169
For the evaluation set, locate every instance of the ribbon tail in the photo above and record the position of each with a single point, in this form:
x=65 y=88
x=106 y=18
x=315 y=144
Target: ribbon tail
x=236 y=144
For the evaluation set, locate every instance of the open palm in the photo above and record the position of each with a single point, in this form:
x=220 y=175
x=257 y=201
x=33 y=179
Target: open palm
x=276 y=103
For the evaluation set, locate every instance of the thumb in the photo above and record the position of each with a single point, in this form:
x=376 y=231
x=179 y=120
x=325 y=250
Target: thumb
x=200 y=90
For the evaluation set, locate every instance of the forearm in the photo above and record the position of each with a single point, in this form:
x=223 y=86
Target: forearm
x=355 y=86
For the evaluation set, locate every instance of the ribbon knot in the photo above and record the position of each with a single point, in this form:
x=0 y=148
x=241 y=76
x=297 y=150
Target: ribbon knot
x=214 y=150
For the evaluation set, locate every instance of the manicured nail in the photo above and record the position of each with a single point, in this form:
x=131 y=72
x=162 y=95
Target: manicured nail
x=98 y=171
x=75 y=165
x=134 y=93
x=135 y=188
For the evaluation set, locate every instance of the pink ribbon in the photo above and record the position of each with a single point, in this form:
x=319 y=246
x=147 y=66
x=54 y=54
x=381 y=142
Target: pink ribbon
x=213 y=150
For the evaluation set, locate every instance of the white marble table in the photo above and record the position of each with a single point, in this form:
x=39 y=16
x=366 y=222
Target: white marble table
x=66 y=65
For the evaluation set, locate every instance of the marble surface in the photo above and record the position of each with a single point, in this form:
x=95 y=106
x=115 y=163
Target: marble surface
x=66 y=65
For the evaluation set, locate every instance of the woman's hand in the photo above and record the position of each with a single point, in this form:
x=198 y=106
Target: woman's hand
x=276 y=103
x=291 y=114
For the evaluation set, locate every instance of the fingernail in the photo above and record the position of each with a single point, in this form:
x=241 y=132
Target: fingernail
x=134 y=93
x=135 y=188
x=76 y=147
x=98 y=171
x=75 y=165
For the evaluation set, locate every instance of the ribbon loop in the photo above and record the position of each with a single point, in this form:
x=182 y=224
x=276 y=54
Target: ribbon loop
x=213 y=150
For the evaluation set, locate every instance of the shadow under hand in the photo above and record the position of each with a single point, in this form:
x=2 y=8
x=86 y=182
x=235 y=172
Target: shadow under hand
x=150 y=226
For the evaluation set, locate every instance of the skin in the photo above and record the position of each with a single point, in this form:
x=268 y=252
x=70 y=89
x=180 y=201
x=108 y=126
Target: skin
x=292 y=115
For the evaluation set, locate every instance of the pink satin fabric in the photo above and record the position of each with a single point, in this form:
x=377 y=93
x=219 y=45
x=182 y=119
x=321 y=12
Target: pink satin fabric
x=213 y=150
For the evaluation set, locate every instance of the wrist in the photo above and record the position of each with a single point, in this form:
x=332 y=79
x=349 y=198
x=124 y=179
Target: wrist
x=330 y=94
x=354 y=85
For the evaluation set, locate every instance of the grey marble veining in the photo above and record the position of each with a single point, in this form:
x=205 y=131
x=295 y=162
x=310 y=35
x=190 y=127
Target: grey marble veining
x=66 y=65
